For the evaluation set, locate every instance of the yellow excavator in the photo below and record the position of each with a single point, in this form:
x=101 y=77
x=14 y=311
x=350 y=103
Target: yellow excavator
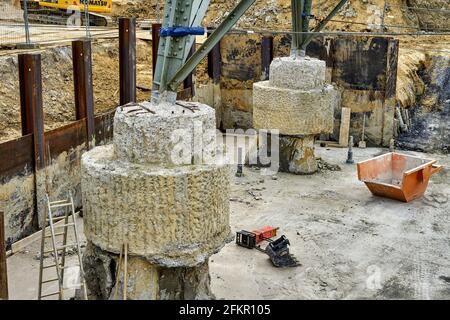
x=65 y=12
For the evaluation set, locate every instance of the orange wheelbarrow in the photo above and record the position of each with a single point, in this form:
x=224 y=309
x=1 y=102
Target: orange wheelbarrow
x=397 y=176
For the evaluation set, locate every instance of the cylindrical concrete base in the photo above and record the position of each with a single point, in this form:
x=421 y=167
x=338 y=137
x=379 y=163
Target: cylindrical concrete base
x=174 y=217
x=145 y=281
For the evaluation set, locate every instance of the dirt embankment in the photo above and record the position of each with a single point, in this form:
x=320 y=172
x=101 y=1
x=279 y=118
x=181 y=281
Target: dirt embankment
x=276 y=14
x=57 y=82
x=416 y=55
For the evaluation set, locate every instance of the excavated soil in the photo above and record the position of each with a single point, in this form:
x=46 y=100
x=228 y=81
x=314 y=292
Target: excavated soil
x=276 y=14
x=416 y=53
x=57 y=81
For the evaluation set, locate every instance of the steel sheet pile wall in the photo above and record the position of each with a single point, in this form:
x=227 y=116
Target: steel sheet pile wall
x=47 y=163
x=17 y=187
x=363 y=68
x=60 y=174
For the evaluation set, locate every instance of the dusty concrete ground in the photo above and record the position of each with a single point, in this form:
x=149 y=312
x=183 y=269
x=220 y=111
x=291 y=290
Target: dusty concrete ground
x=23 y=269
x=351 y=244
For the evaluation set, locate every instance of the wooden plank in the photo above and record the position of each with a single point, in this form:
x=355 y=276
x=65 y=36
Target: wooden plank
x=15 y=156
x=3 y=268
x=25 y=242
x=345 y=127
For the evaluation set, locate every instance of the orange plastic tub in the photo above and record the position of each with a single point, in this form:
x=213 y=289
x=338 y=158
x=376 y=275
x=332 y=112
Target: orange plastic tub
x=397 y=176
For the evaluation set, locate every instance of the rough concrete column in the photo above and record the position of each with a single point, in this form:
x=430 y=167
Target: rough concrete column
x=296 y=101
x=160 y=189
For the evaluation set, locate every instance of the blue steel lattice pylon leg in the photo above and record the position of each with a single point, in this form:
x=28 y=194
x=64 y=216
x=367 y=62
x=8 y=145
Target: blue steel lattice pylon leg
x=171 y=66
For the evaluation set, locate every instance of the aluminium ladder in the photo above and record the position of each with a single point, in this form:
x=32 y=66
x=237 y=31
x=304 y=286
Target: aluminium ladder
x=59 y=251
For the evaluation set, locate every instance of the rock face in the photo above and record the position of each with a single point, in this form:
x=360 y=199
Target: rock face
x=430 y=117
x=159 y=189
x=297 y=102
x=297 y=155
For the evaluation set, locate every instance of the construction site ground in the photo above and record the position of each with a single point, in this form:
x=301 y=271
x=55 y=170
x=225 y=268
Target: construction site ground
x=351 y=244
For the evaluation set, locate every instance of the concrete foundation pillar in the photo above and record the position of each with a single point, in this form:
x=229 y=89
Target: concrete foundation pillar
x=160 y=189
x=297 y=102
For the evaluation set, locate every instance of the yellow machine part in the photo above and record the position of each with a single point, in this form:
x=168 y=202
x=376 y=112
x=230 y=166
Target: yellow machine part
x=93 y=5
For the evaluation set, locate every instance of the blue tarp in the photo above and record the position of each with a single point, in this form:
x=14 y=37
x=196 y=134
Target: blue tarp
x=182 y=31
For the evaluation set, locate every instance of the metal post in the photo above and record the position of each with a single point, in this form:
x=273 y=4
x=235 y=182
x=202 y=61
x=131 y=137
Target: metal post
x=383 y=16
x=3 y=267
x=240 y=171
x=266 y=56
x=214 y=63
x=297 y=23
x=392 y=145
x=127 y=60
x=82 y=78
x=189 y=81
x=350 y=151
x=86 y=18
x=156 y=28
x=25 y=19
x=323 y=23
x=158 y=11
x=32 y=116
x=307 y=7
